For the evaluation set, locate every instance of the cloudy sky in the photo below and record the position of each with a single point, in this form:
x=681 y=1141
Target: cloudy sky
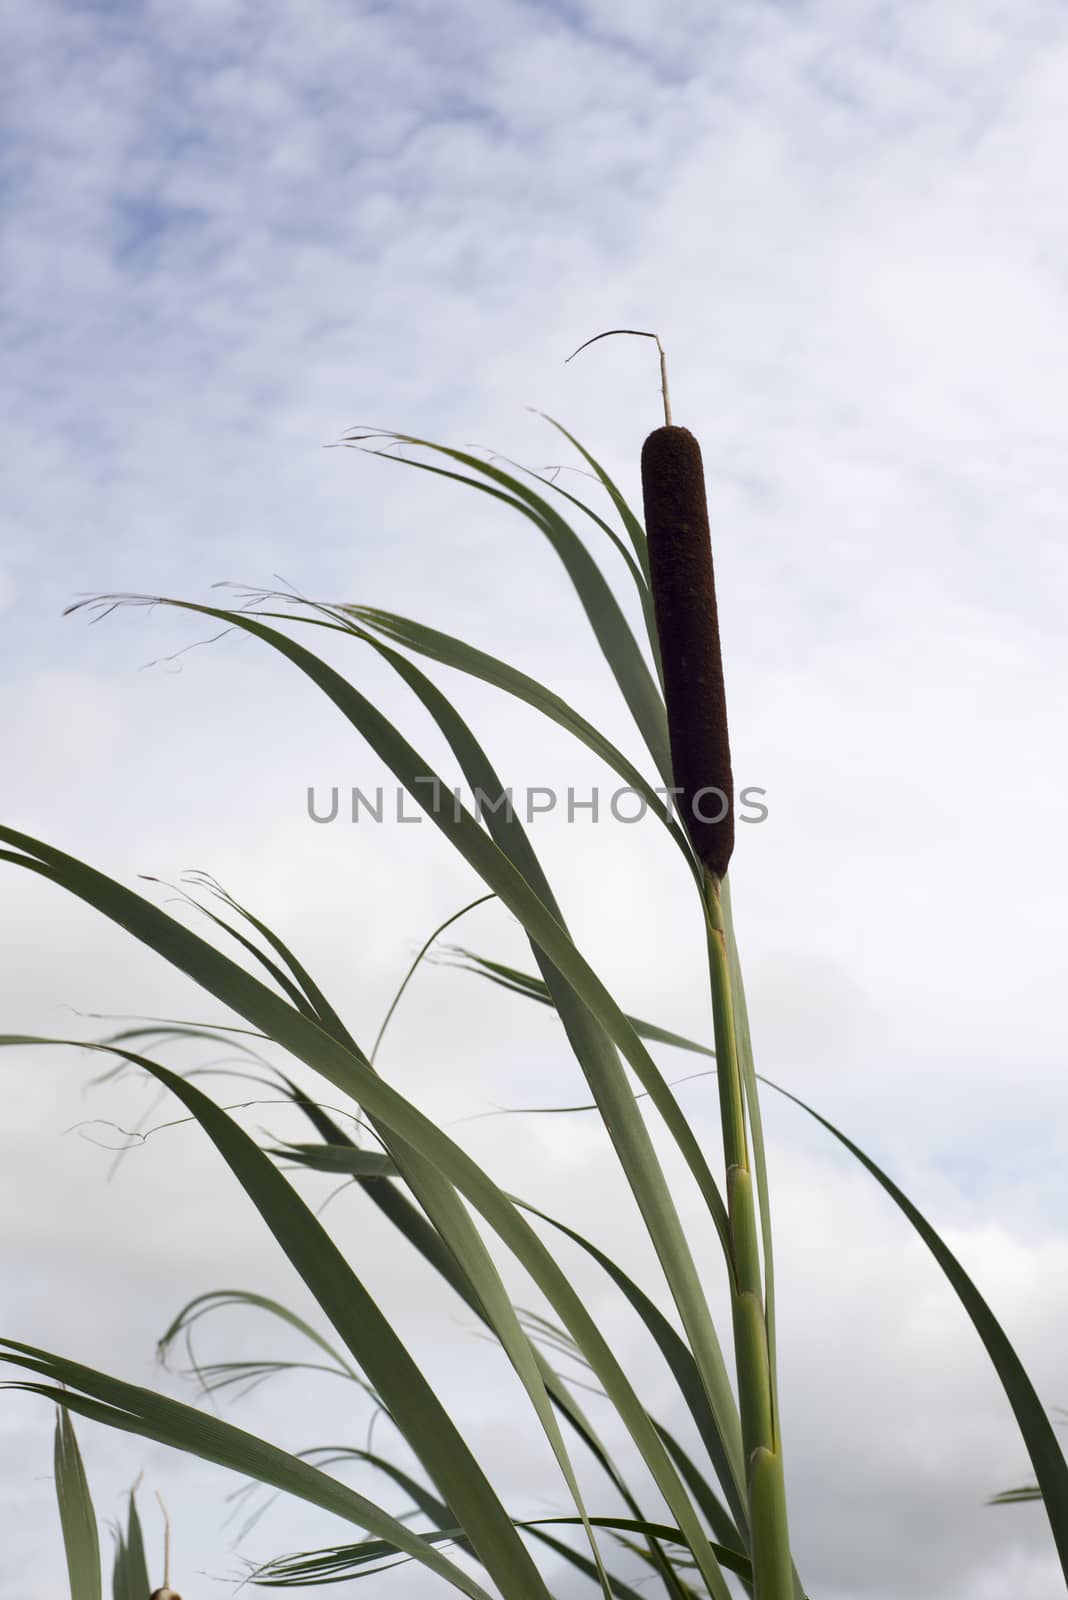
x=233 y=231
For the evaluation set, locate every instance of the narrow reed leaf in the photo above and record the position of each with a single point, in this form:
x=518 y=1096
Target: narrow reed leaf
x=557 y=489
x=119 y=1585
x=409 y=1397
x=684 y=595
x=130 y=1580
x=136 y=1565
x=257 y=1003
x=533 y=988
x=409 y=1221
x=638 y=564
x=436 y=1197
x=292 y=978
x=442 y=1206
x=620 y=1590
x=149 y=1415
x=354 y=1161
x=425 y=1239
x=451 y=652
x=81 y=1538
x=423 y=1499
x=543 y=925
x=733 y=1560
x=1047 y=1458
x=595 y=1050
x=334 y=1158
x=337 y=1562
x=707 y=1500
x=285 y=983
x=610 y=627
x=680 y=1361
x=443 y=1522
x=204 y=1305
x=1035 y=1427
x=481 y=852
x=413 y=968
x=634 y=528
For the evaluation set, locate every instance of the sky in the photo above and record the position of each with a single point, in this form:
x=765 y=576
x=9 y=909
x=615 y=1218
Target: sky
x=230 y=233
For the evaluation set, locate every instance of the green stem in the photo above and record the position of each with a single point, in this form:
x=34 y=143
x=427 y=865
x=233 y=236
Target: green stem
x=765 y=1483
x=759 y=1163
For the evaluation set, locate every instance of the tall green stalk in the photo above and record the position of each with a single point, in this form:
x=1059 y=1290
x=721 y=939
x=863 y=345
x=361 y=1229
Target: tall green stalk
x=688 y=629
x=682 y=580
x=765 y=1481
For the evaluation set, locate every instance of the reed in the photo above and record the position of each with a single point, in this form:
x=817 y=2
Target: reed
x=81 y=1534
x=682 y=579
x=714 y=1517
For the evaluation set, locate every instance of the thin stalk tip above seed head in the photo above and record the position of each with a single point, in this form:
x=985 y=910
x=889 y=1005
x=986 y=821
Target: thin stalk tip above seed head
x=639 y=333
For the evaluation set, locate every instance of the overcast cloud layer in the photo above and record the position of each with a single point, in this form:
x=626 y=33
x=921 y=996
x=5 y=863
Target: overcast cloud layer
x=230 y=232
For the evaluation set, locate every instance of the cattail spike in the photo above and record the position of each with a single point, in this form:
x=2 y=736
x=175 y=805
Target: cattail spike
x=684 y=600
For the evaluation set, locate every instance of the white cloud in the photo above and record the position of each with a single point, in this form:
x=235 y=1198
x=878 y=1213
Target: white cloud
x=233 y=232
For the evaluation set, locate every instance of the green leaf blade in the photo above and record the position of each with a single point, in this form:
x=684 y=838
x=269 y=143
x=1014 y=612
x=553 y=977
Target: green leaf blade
x=81 y=1537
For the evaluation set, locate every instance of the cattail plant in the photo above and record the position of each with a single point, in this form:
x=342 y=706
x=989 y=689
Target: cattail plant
x=683 y=585
x=720 y=1515
x=684 y=596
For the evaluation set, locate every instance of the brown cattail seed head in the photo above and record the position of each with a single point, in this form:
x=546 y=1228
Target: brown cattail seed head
x=164 y=1594
x=684 y=600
